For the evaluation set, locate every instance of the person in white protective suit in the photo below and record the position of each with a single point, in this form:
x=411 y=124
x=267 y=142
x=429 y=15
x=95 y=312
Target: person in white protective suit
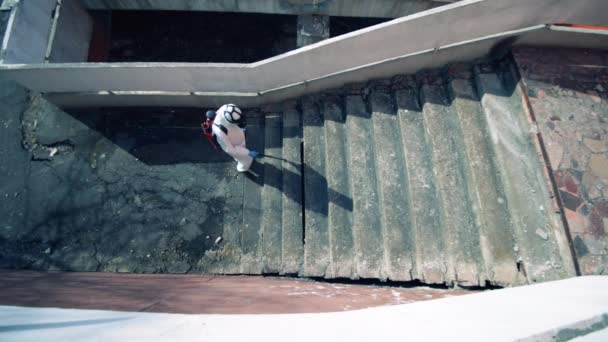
x=229 y=130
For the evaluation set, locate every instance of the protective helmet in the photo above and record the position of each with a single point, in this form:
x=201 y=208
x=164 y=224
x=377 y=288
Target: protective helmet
x=234 y=115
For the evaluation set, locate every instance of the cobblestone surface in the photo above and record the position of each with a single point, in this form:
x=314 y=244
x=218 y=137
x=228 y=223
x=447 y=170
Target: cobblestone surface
x=568 y=92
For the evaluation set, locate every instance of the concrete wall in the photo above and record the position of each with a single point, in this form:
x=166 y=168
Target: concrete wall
x=72 y=34
x=568 y=94
x=29 y=32
x=349 y=8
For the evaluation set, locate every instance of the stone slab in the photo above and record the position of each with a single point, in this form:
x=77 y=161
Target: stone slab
x=399 y=242
x=272 y=200
x=316 y=230
x=430 y=249
x=367 y=226
x=461 y=232
x=340 y=207
x=292 y=220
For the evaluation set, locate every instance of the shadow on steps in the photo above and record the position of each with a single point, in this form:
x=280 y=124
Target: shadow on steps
x=333 y=196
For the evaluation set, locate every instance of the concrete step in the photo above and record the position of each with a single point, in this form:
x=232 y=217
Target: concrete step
x=293 y=229
x=461 y=233
x=399 y=241
x=251 y=234
x=340 y=206
x=433 y=178
x=425 y=217
x=316 y=241
x=367 y=226
x=521 y=173
x=272 y=193
x=485 y=188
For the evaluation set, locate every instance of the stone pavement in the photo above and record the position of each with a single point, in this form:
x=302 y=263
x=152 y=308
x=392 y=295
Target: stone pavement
x=568 y=94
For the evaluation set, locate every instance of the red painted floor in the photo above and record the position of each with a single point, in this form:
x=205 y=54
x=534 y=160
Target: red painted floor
x=197 y=294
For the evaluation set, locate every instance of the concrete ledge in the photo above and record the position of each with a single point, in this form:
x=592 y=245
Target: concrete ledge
x=175 y=93
x=426 y=40
x=571 y=307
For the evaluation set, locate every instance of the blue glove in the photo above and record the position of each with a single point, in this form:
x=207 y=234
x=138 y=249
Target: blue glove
x=253 y=154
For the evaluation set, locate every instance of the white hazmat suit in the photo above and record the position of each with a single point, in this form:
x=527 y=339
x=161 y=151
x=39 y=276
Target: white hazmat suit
x=233 y=140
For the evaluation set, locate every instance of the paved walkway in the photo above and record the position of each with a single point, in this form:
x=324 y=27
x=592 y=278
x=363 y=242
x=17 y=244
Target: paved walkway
x=551 y=311
x=197 y=294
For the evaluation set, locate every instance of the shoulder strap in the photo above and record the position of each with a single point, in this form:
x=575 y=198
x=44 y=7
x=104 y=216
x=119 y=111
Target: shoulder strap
x=224 y=129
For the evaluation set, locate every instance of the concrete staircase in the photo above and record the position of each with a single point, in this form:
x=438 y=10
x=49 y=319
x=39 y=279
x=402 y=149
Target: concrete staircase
x=432 y=177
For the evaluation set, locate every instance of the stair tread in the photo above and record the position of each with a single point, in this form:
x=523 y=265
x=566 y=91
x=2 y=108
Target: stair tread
x=251 y=233
x=496 y=230
x=461 y=232
x=272 y=194
x=367 y=227
x=316 y=244
x=426 y=223
x=398 y=238
x=293 y=248
x=340 y=204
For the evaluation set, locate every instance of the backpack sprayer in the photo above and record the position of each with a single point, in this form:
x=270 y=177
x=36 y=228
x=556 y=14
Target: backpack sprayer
x=207 y=128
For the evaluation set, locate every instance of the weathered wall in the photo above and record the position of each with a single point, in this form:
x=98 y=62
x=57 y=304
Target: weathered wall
x=568 y=92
